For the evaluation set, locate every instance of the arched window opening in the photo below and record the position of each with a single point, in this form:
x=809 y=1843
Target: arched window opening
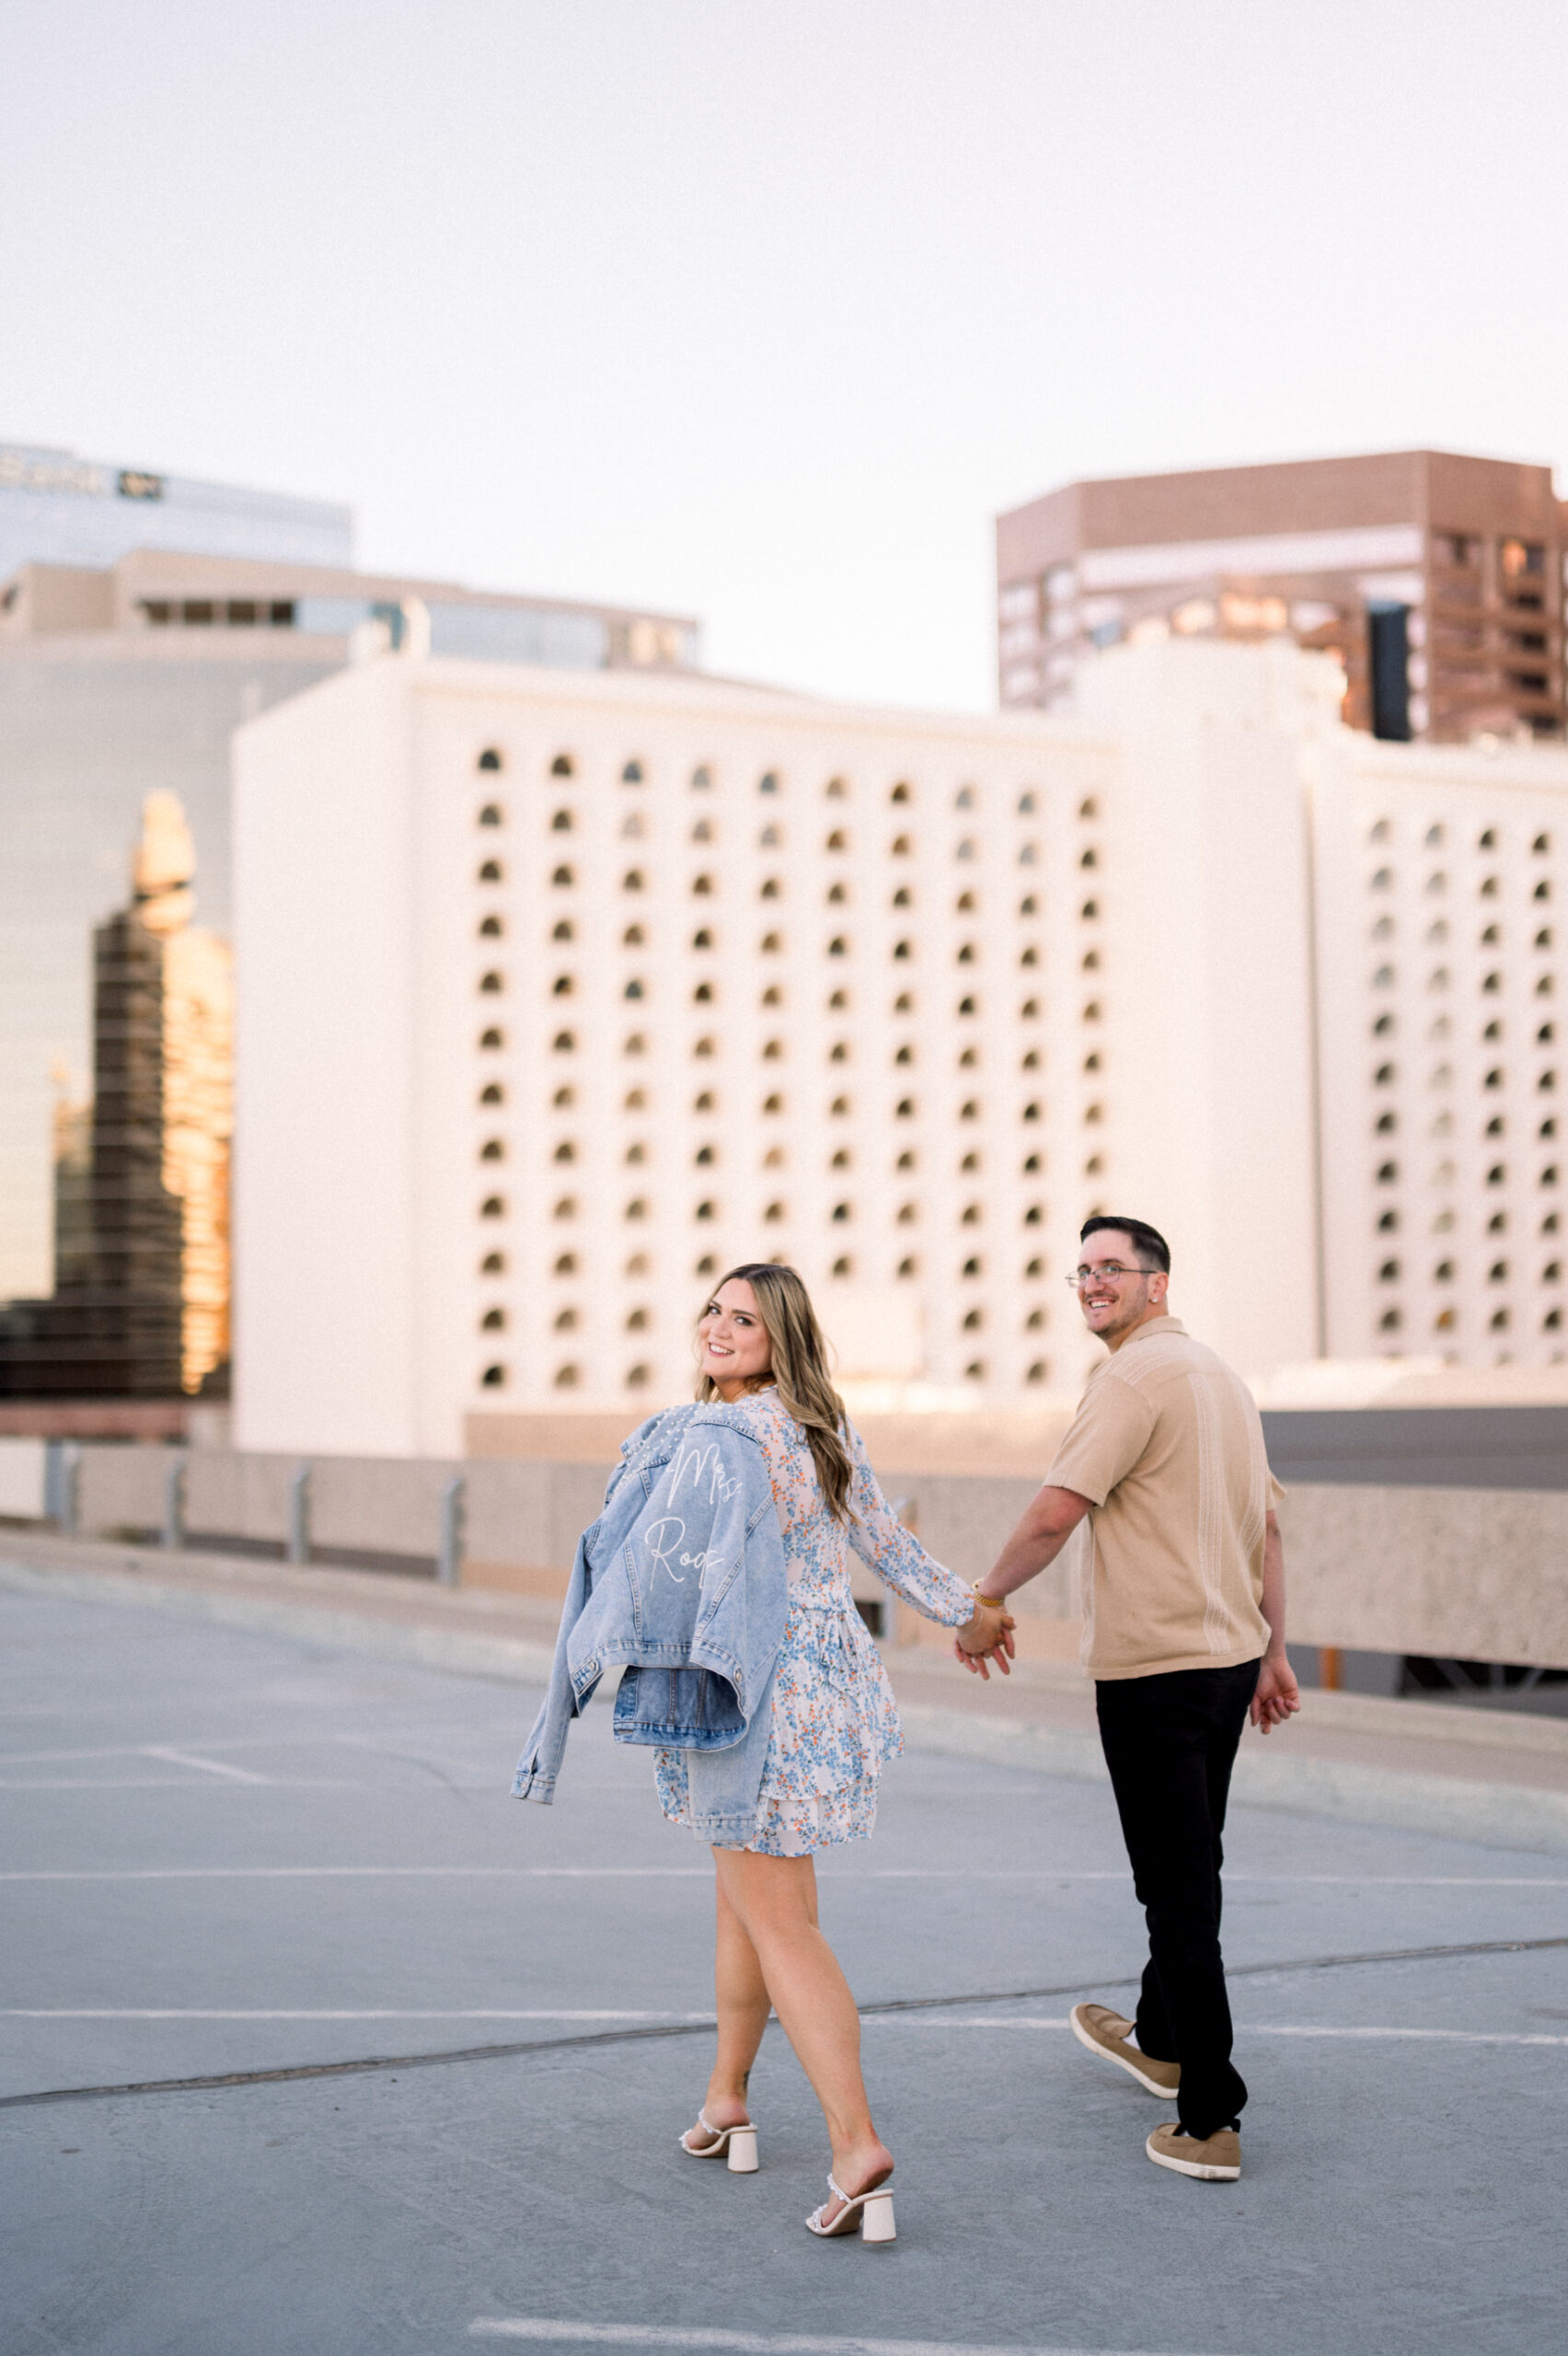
x=633 y=773
x=491 y=815
x=768 y=782
x=491 y=929
x=491 y=984
x=563 y=766
x=567 y=1377
x=493 y=1378
x=632 y=880
x=493 y=1207
x=702 y=778
x=490 y=758
x=563 y=1042
x=493 y=1321
x=490 y=872
x=492 y=1038
x=493 y=1150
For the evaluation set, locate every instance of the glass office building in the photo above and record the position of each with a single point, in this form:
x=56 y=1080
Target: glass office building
x=142 y=618
x=58 y=509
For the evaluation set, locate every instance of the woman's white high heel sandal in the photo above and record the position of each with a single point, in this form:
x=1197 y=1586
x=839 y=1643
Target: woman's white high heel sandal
x=740 y=2143
x=870 y=2212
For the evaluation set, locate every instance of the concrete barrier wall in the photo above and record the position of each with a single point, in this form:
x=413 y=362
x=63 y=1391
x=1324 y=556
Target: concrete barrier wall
x=1477 y=1574
x=22 y=1469
x=1466 y=1574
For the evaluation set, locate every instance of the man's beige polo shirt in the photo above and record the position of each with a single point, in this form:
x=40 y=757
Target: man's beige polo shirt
x=1169 y=1450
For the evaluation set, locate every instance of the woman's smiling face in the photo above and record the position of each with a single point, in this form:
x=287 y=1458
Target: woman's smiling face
x=733 y=1339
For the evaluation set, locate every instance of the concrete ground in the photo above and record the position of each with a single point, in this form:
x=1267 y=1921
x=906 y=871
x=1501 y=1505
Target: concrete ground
x=232 y=1852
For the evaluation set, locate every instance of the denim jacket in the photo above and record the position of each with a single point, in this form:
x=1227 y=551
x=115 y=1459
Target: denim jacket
x=681 y=1585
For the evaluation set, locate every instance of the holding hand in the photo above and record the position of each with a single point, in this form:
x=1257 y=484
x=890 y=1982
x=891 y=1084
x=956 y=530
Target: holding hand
x=988 y=1636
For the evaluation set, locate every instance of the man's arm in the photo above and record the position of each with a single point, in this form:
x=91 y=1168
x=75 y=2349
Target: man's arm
x=1052 y=1516
x=1277 y=1694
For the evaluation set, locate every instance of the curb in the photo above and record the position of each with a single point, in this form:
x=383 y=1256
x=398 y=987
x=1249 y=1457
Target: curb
x=1498 y=1816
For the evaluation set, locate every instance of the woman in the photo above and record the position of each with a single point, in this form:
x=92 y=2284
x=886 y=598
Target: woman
x=834 y=1727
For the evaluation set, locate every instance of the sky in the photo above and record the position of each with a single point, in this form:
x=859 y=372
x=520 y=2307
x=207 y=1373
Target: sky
x=760 y=312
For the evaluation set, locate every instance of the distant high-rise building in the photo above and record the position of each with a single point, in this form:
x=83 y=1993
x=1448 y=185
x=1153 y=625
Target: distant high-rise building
x=140 y=1306
x=56 y=508
x=1436 y=580
x=121 y=678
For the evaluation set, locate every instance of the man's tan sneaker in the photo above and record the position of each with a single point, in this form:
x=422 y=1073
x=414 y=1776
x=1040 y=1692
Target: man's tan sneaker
x=1215 y=2158
x=1106 y=2032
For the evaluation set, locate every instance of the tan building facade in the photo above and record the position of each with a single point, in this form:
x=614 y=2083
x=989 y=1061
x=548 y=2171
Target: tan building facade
x=1435 y=580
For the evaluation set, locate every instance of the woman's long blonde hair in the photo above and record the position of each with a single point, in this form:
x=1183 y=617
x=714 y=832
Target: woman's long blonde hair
x=800 y=1371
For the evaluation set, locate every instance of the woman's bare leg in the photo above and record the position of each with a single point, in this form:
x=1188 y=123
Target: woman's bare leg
x=744 y=2007
x=773 y=1900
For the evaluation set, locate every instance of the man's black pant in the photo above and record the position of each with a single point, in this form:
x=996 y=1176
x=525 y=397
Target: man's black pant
x=1169 y=1742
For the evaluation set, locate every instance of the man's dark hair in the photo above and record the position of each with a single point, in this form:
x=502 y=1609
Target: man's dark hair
x=1148 y=1241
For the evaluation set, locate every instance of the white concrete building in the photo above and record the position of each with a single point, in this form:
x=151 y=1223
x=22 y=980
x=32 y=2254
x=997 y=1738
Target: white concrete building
x=560 y=993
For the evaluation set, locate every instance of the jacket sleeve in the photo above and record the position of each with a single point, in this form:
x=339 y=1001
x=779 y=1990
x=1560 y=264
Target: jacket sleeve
x=541 y=1764
x=896 y=1554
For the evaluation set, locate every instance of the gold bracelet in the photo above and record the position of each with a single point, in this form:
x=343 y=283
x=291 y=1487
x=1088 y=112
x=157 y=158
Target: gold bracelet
x=992 y=1603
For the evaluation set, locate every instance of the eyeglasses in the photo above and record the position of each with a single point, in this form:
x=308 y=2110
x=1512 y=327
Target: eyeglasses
x=1112 y=1270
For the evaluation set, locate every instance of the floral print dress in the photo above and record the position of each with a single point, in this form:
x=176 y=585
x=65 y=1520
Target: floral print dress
x=835 y=1724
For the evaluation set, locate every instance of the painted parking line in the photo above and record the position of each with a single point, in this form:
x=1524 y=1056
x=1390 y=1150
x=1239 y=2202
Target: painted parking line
x=695 y=1873
x=172 y=1758
x=178 y=1783
x=361 y=2013
x=361 y=1873
x=870 y=2020
x=751 y=2343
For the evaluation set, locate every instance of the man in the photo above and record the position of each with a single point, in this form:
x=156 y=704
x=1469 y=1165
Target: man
x=1185 y=1637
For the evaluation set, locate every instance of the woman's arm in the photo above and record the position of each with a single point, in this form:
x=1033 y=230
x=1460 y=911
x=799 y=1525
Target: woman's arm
x=887 y=1547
